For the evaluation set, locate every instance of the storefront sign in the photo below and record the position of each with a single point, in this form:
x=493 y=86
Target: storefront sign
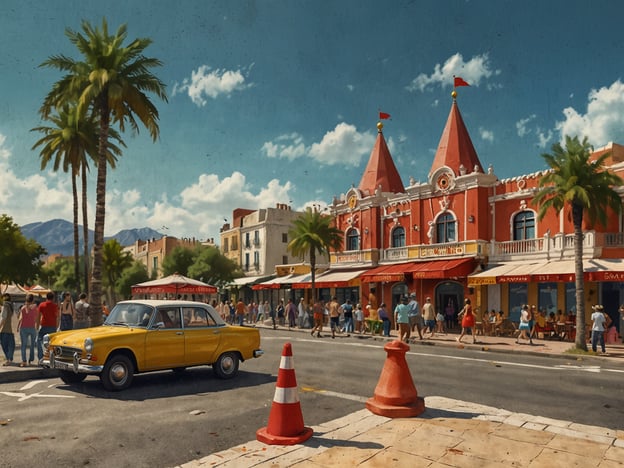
x=605 y=276
x=441 y=251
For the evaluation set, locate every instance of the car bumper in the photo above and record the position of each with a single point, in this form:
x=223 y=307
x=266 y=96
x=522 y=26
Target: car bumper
x=74 y=366
x=258 y=353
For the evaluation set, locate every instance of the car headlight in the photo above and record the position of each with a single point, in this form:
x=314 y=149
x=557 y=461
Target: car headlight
x=46 y=341
x=88 y=345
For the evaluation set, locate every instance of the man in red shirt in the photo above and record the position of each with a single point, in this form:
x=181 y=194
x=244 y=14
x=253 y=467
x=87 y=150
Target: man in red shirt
x=47 y=321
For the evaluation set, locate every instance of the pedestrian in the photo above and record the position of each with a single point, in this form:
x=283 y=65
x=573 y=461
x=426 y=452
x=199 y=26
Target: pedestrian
x=401 y=318
x=428 y=313
x=317 y=310
x=359 y=318
x=532 y=322
x=334 y=316
x=271 y=311
x=598 y=322
x=105 y=310
x=467 y=321
x=26 y=329
x=291 y=314
x=440 y=323
x=415 y=316
x=68 y=312
x=47 y=322
x=525 y=325
x=261 y=314
x=241 y=310
x=449 y=313
x=253 y=312
x=281 y=313
x=385 y=319
x=301 y=312
x=7 y=339
x=347 y=310
x=81 y=319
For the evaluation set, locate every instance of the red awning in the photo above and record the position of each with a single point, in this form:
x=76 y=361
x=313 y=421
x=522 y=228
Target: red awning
x=386 y=273
x=332 y=279
x=440 y=269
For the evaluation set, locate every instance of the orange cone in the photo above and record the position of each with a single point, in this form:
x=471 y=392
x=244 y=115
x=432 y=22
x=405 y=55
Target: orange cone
x=395 y=395
x=285 y=420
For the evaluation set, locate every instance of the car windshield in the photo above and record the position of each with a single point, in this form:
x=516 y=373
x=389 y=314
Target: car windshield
x=130 y=315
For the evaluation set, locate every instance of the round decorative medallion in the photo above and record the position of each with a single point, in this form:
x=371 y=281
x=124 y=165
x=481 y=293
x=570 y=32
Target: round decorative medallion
x=352 y=201
x=444 y=182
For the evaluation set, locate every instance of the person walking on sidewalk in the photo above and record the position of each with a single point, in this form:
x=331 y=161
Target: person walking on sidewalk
x=317 y=309
x=81 y=319
x=428 y=313
x=47 y=322
x=525 y=325
x=7 y=339
x=291 y=314
x=415 y=317
x=401 y=318
x=598 y=321
x=383 y=316
x=26 y=329
x=68 y=312
x=467 y=322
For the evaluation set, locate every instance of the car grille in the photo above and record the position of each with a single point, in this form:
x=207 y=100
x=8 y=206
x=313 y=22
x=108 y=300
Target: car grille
x=66 y=352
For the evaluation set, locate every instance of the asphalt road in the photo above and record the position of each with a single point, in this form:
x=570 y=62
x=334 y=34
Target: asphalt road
x=166 y=419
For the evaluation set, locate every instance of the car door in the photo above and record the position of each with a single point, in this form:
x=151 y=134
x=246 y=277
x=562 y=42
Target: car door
x=201 y=335
x=164 y=342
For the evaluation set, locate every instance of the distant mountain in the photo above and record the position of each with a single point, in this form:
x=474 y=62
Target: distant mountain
x=57 y=236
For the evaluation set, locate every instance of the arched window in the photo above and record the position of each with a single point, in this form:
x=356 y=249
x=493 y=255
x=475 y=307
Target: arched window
x=524 y=225
x=353 y=239
x=398 y=237
x=445 y=229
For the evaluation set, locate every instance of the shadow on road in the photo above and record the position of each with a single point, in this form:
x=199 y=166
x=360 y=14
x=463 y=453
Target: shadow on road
x=167 y=384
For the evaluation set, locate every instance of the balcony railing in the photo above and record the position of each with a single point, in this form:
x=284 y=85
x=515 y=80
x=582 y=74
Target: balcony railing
x=553 y=247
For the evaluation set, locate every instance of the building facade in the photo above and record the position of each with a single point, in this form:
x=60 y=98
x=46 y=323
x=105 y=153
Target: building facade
x=151 y=252
x=464 y=233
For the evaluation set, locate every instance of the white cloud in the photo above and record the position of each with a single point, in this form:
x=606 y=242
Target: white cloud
x=543 y=137
x=208 y=83
x=342 y=145
x=604 y=117
x=487 y=135
x=522 y=125
x=473 y=71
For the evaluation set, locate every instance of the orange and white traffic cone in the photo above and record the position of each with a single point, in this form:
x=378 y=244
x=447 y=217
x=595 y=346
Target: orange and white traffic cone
x=395 y=395
x=285 y=420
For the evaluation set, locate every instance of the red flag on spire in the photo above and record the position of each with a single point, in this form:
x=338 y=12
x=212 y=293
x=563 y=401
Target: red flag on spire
x=459 y=81
x=383 y=115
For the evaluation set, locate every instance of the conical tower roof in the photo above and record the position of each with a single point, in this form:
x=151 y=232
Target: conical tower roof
x=455 y=148
x=380 y=170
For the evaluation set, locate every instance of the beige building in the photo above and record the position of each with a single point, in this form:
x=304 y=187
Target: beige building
x=257 y=240
x=152 y=252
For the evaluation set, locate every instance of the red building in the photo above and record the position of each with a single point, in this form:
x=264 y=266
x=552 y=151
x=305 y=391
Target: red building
x=465 y=233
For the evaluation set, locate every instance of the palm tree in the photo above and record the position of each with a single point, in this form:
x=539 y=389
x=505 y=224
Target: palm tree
x=312 y=233
x=115 y=261
x=110 y=83
x=70 y=143
x=587 y=188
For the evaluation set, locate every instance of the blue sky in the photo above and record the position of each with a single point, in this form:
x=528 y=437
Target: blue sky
x=277 y=101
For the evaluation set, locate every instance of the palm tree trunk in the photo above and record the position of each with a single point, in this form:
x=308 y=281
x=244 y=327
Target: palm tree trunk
x=313 y=274
x=95 y=308
x=85 y=227
x=577 y=219
x=76 y=238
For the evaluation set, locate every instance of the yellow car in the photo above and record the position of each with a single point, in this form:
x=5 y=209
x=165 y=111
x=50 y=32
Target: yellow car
x=150 y=335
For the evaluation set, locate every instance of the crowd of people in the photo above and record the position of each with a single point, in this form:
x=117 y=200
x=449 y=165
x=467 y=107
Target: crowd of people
x=35 y=320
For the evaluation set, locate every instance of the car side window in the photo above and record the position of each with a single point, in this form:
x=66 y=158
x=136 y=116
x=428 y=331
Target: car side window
x=196 y=317
x=170 y=318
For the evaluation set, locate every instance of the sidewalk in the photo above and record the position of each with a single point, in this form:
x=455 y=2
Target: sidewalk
x=449 y=433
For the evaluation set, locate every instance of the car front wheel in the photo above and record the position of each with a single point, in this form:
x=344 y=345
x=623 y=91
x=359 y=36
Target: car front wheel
x=226 y=366
x=71 y=377
x=118 y=373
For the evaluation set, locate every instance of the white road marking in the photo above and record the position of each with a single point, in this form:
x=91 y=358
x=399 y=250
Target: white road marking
x=24 y=396
x=32 y=383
